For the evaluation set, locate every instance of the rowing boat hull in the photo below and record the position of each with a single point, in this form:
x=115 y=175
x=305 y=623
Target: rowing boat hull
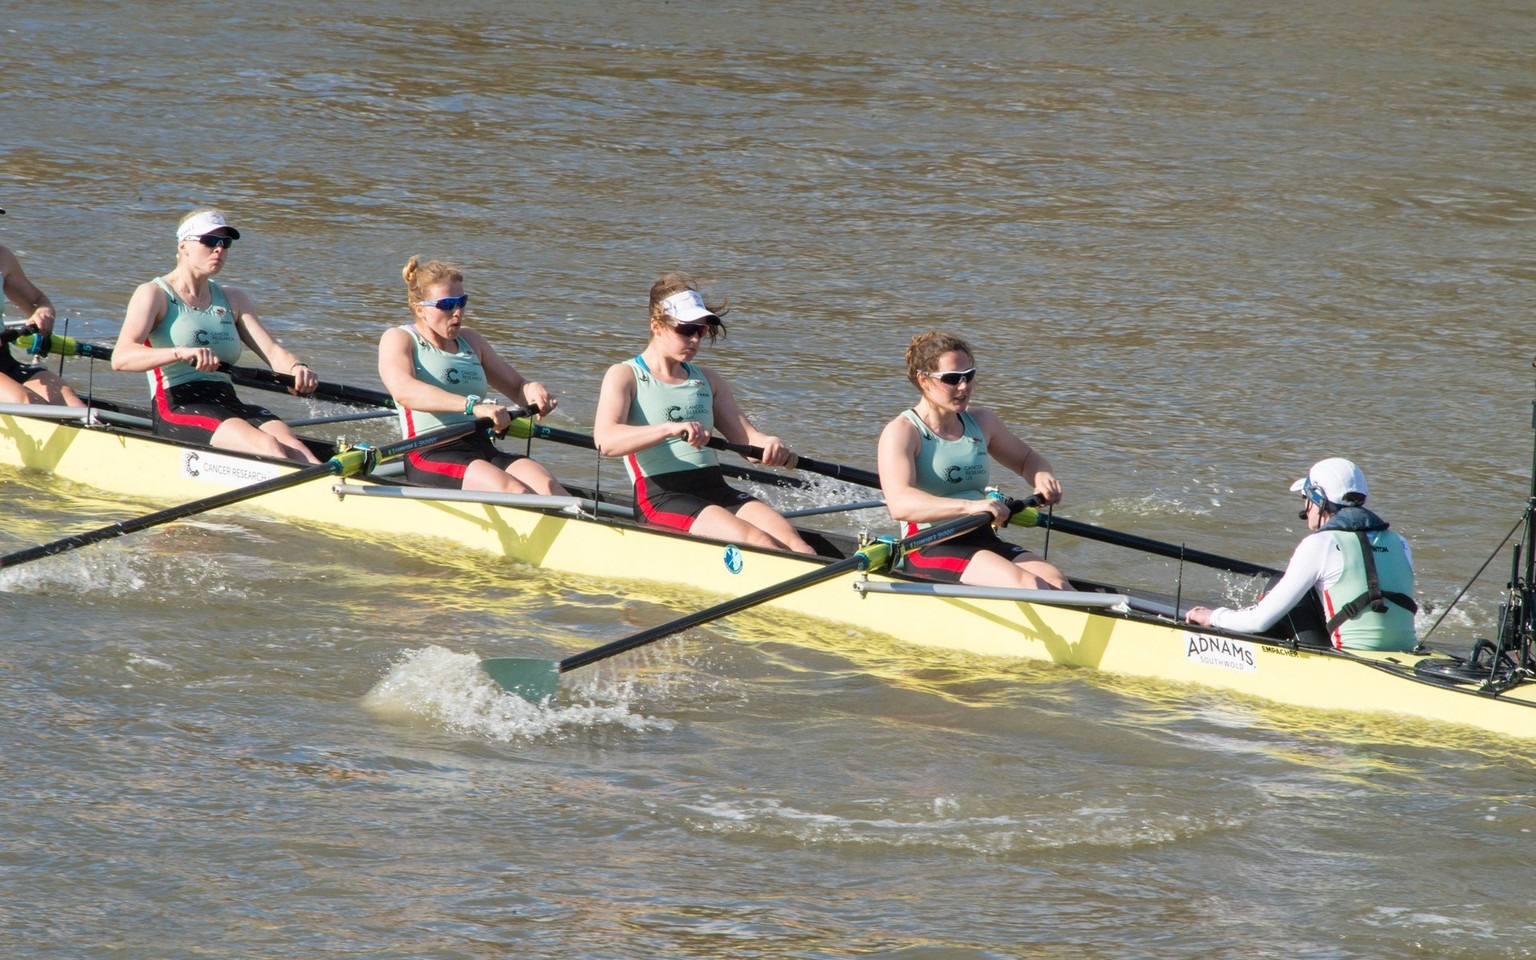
x=129 y=464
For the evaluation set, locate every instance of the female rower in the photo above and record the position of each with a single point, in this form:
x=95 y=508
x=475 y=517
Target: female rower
x=934 y=466
x=440 y=373
x=180 y=328
x=29 y=384
x=657 y=412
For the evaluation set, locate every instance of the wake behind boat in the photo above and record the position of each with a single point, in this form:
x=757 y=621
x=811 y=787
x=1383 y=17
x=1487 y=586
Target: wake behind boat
x=1098 y=626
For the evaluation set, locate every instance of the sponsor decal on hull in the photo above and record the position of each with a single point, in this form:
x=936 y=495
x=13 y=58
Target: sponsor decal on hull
x=224 y=471
x=1223 y=652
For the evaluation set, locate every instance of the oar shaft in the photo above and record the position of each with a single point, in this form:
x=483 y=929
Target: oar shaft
x=828 y=572
x=347 y=463
x=66 y=346
x=1033 y=518
x=875 y=556
x=268 y=380
x=851 y=474
x=797 y=462
x=124 y=527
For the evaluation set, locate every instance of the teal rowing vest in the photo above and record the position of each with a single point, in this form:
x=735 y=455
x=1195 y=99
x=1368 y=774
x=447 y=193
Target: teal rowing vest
x=184 y=326
x=658 y=402
x=950 y=468
x=459 y=372
x=1379 y=612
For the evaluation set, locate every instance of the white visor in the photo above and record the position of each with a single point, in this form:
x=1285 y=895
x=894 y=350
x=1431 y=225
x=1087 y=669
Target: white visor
x=686 y=306
x=205 y=223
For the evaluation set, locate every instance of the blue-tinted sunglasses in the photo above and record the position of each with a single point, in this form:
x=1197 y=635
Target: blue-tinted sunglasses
x=446 y=304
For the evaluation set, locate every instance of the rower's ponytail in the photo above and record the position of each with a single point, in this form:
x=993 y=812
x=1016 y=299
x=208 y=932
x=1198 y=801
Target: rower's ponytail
x=421 y=274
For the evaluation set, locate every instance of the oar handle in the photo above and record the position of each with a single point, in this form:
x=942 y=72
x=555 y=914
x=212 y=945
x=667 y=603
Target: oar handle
x=268 y=380
x=1028 y=516
x=796 y=462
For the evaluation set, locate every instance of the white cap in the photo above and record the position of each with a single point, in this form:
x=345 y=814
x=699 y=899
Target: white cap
x=1336 y=477
x=686 y=306
x=203 y=224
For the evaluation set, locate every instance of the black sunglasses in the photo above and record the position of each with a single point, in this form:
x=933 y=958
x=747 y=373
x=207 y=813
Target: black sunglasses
x=214 y=243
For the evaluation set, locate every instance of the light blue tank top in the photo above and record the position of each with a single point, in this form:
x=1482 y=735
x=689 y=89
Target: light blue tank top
x=957 y=468
x=658 y=402
x=459 y=372
x=185 y=326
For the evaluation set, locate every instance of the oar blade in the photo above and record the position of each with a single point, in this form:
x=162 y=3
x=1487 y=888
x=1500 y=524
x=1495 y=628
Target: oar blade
x=532 y=679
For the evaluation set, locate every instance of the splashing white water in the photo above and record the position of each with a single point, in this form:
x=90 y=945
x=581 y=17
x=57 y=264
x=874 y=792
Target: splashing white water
x=450 y=690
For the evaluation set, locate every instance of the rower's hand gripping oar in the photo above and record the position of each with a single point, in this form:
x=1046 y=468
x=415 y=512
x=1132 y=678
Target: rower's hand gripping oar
x=245 y=376
x=523 y=429
x=536 y=680
x=357 y=460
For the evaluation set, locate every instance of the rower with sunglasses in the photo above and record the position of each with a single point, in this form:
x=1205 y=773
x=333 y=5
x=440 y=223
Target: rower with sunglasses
x=657 y=411
x=441 y=373
x=935 y=465
x=1361 y=571
x=180 y=329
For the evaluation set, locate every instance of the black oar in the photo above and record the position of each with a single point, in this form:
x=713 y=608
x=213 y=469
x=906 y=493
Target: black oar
x=268 y=380
x=526 y=428
x=1025 y=516
x=359 y=459
x=245 y=376
x=1021 y=518
x=537 y=680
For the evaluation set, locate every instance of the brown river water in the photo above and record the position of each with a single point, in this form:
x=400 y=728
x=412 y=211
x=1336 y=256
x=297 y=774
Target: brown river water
x=1197 y=247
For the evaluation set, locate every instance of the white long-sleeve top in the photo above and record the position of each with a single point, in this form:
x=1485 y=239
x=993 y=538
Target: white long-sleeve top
x=1317 y=564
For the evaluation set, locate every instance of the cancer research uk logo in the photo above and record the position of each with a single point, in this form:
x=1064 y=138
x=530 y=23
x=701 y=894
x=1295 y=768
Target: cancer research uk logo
x=1221 y=652
x=225 y=471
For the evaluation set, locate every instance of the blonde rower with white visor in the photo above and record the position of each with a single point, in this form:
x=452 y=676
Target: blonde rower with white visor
x=181 y=327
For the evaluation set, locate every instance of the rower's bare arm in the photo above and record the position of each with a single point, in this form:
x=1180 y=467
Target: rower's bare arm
x=261 y=342
x=897 y=462
x=505 y=377
x=24 y=293
x=613 y=436
x=397 y=371
x=1017 y=456
x=145 y=310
